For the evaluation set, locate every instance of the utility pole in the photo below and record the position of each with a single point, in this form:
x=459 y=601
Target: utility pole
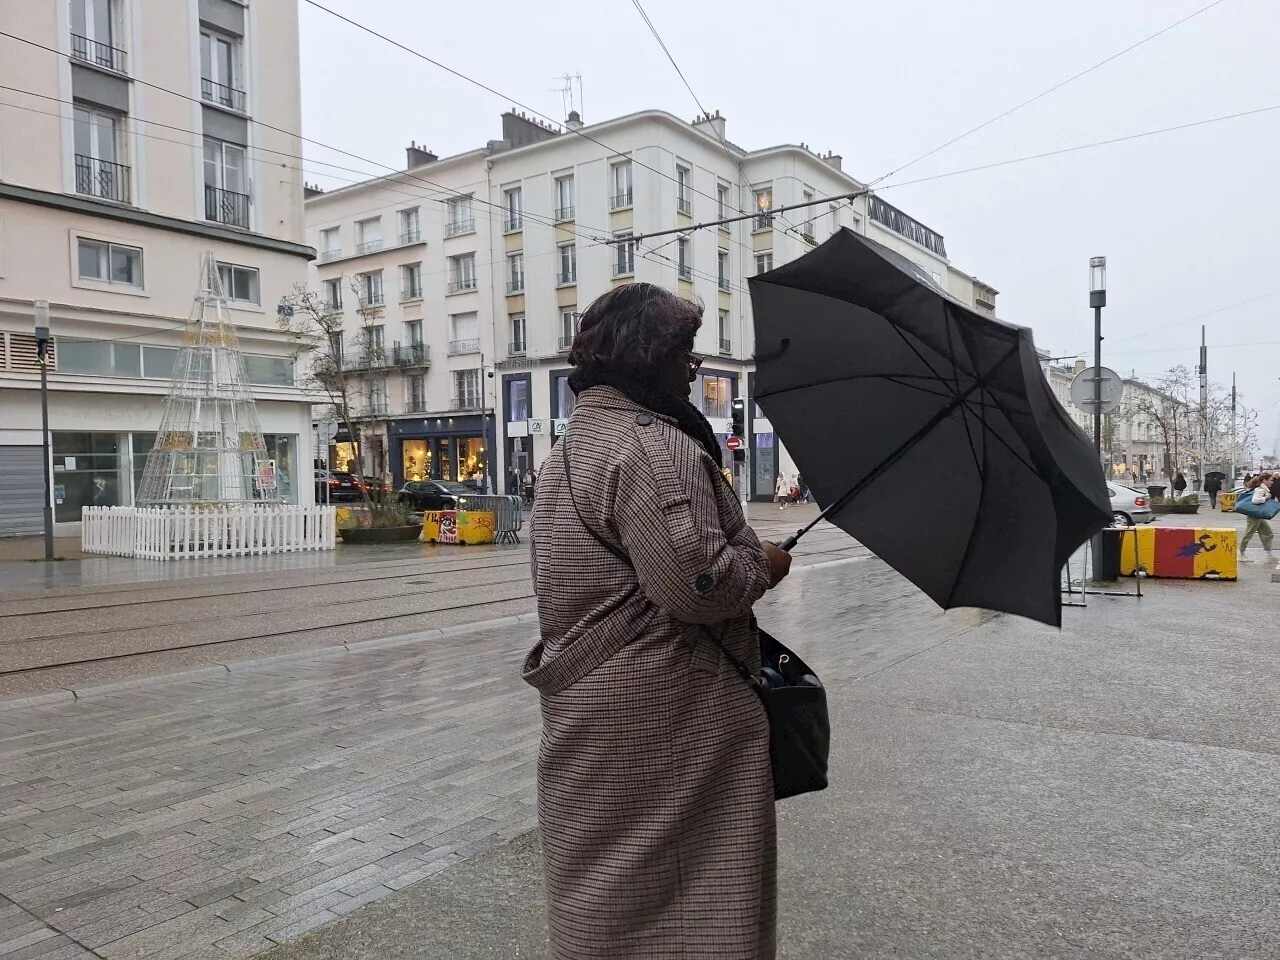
x=1204 y=400
x=42 y=353
x=1097 y=300
x=1232 y=478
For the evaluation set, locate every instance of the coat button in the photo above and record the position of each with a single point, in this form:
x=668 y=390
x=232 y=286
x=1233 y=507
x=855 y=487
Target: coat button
x=643 y=419
x=705 y=583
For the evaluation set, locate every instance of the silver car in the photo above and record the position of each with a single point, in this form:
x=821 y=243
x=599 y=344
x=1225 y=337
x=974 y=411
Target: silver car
x=1129 y=505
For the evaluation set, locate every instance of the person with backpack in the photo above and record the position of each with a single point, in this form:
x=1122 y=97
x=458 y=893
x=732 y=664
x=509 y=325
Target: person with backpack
x=1264 y=488
x=1179 y=485
x=1213 y=486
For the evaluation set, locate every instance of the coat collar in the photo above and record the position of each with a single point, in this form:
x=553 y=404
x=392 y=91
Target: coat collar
x=613 y=399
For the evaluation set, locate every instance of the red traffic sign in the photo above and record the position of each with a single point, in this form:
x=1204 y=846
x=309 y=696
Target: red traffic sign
x=733 y=443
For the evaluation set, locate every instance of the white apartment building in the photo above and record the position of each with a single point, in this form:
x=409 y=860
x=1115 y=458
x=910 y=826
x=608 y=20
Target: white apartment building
x=481 y=263
x=138 y=142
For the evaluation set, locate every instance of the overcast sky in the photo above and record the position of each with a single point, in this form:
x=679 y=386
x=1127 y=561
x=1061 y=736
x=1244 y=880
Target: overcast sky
x=1189 y=221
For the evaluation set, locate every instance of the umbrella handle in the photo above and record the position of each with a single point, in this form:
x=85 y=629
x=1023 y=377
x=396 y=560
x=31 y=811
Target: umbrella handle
x=788 y=544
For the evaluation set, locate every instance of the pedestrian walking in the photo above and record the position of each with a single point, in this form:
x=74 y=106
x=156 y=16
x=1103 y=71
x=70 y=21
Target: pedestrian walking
x=530 y=480
x=1264 y=488
x=804 y=490
x=655 y=796
x=782 y=491
x=1179 y=485
x=1213 y=486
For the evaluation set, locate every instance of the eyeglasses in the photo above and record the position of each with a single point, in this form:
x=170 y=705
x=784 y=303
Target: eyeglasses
x=695 y=364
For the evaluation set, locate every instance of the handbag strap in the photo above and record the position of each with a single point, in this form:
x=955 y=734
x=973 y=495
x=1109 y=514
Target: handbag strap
x=621 y=555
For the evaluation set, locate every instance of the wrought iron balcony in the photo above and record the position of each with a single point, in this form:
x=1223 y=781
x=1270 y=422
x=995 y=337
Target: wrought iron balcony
x=685 y=271
x=226 y=206
x=222 y=94
x=620 y=200
x=723 y=283
x=726 y=346
x=564 y=279
x=411 y=291
x=372 y=298
x=327 y=255
x=412 y=355
x=513 y=223
x=416 y=405
x=99 y=54
x=330 y=307
x=625 y=269
x=462 y=284
x=369 y=246
x=564 y=343
x=103 y=179
x=458 y=227
x=374 y=408
x=410 y=236
x=515 y=286
x=684 y=205
x=517 y=349
x=762 y=222
x=459 y=347
x=564 y=213
x=465 y=403
x=361 y=355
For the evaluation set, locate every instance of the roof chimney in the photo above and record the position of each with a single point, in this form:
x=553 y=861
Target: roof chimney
x=310 y=190
x=417 y=156
x=833 y=160
x=711 y=124
x=575 y=120
x=519 y=130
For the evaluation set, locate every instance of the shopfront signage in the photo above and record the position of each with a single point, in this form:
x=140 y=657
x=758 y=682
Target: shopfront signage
x=561 y=427
x=535 y=427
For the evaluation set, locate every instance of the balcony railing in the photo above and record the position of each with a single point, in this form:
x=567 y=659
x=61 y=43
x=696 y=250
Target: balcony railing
x=564 y=213
x=458 y=347
x=465 y=403
x=369 y=246
x=564 y=343
x=726 y=346
x=372 y=298
x=620 y=200
x=222 y=94
x=515 y=286
x=99 y=54
x=374 y=408
x=685 y=271
x=365 y=356
x=723 y=284
x=458 y=227
x=564 y=279
x=684 y=205
x=327 y=255
x=330 y=307
x=763 y=222
x=410 y=236
x=226 y=206
x=101 y=178
x=412 y=355
x=462 y=283
x=513 y=222
x=412 y=291
x=624 y=269
x=416 y=405
x=517 y=349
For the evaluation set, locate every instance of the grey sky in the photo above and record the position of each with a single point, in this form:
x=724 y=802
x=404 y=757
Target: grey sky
x=1187 y=220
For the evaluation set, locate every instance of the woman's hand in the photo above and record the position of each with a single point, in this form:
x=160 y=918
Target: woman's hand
x=779 y=562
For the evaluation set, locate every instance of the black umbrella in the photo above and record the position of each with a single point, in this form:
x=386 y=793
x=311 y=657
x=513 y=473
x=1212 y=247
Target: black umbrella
x=924 y=428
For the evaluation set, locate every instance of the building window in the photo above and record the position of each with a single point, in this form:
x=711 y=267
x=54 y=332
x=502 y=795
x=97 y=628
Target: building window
x=519 y=336
x=684 y=190
x=332 y=302
x=806 y=228
x=568 y=327
x=764 y=262
x=96 y=33
x=373 y=337
x=717 y=396
x=410 y=228
x=99 y=155
x=239 y=283
x=330 y=244
x=684 y=264
x=624 y=263
x=459 y=217
x=466 y=389
x=417 y=393
x=515 y=273
x=413 y=332
x=226 y=186
x=726 y=342
x=110 y=263
x=722 y=269
x=622 y=192
x=517 y=400
x=724 y=208
x=377 y=397
x=465 y=328
x=411 y=281
x=764 y=203
x=568 y=264
x=564 y=198
x=371 y=289
x=369 y=235
x=835 y=218
x=462 y=273
x=220 y=70
x=513 y=201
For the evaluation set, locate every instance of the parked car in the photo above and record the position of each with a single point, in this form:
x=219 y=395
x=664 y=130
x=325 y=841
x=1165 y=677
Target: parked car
x=1129 y=505
x=425 y=495
x=336 y=487
x=377 y=489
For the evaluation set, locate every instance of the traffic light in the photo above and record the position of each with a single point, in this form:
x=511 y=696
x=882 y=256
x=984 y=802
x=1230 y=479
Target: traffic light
x=739 y=416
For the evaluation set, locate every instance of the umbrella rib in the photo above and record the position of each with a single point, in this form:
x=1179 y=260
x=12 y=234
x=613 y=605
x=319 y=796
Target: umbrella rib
x=973 y=451
x=860 y=376
x=1030 y=466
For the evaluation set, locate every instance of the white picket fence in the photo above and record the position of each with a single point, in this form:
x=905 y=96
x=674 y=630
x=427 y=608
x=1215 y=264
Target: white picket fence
x=178 y=533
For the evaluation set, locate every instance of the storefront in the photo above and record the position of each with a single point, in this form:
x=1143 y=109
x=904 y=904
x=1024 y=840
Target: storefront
x=442 y=448
x=763 y=446
x=517 y=438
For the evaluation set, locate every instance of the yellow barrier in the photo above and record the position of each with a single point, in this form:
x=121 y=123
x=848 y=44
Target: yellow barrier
x=1227 y=502
x=1191 y=553
x=458 y=526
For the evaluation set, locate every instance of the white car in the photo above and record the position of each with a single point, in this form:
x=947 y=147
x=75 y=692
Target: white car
x=1129 y=505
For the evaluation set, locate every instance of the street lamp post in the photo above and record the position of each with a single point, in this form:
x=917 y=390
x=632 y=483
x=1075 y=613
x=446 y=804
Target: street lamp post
x=1097 y=300
x=41 y=309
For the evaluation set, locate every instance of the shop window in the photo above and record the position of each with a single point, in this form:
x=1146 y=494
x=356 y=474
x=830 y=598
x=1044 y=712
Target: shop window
x=517 y=400
x=281 y=448
x=417 y=459
x=86 y=473
x=158 y=362
x=717 y=396
x=344 y=457
x=471 y=462
x=269 y=371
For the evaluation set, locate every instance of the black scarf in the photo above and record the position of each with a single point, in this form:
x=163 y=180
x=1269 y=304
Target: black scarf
x=654 y=396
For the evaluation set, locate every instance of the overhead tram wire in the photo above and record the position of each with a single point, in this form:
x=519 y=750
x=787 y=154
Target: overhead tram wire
x=1045 y=93
x=267 y=126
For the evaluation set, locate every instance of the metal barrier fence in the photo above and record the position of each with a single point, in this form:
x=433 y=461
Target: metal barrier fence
x=508 y=515
x=179 y=533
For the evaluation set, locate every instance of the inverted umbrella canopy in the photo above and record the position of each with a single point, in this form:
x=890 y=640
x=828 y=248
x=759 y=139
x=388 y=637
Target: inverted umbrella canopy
x=926 y=430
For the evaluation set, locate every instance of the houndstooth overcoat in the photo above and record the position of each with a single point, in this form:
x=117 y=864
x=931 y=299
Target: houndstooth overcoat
x=655 y=799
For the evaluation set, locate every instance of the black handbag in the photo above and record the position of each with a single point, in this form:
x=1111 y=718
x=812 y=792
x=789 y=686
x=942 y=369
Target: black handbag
x=793 y=697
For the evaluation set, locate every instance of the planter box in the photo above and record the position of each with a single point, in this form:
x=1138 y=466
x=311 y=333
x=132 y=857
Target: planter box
x=354 y=535
x=1175 y=508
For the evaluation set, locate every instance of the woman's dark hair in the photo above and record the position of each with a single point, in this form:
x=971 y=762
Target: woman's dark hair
x=633 y=329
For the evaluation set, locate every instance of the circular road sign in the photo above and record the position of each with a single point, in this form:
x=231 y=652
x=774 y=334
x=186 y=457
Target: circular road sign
x=1084 y=384
x=328 y=429
x=733 y=443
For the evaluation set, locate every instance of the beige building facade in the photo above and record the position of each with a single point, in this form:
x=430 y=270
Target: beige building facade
x=141 y=138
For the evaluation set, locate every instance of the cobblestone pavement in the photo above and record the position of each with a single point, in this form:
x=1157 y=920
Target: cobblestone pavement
x=214 y=814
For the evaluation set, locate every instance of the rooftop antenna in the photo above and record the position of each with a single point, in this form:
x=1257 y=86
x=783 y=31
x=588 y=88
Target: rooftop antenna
x=567 y=95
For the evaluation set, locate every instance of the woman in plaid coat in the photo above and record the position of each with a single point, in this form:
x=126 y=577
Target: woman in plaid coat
x=655 y=801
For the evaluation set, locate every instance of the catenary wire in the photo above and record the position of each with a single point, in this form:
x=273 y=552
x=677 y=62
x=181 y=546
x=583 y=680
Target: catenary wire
x=1045 y=93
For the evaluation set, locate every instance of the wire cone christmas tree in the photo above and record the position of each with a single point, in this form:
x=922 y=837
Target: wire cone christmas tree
x=210 y=448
